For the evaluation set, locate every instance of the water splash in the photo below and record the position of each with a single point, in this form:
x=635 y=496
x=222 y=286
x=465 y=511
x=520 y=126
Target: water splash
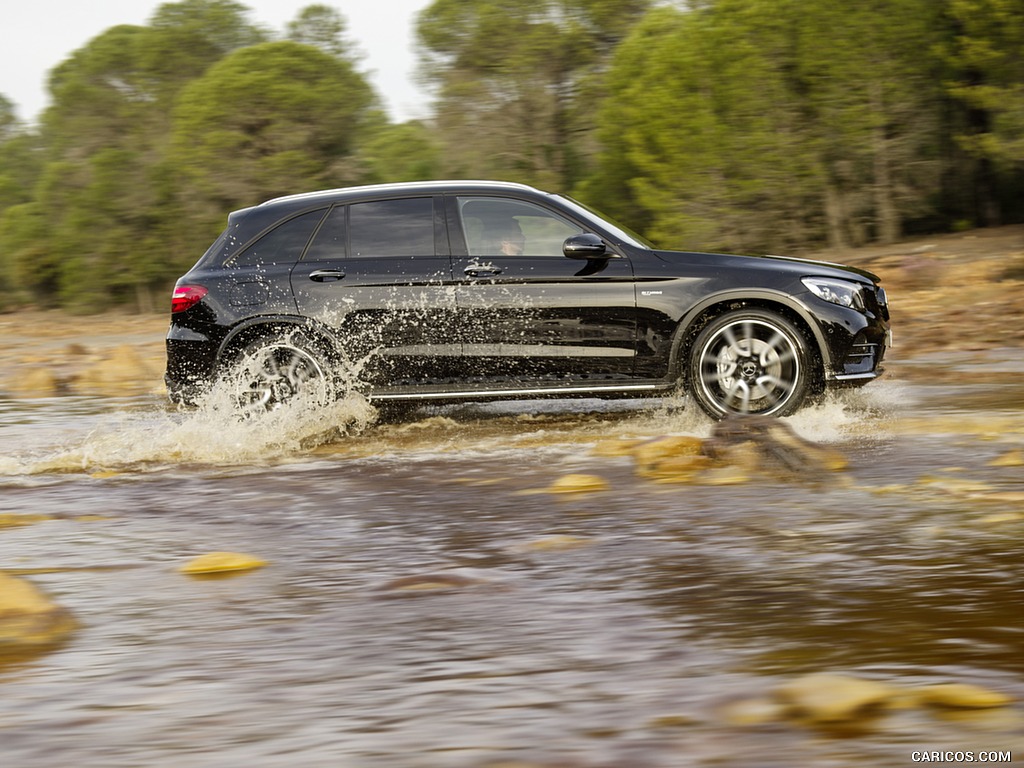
x=212 y=434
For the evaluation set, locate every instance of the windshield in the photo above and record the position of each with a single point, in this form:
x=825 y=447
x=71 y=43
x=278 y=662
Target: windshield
x=624 y=233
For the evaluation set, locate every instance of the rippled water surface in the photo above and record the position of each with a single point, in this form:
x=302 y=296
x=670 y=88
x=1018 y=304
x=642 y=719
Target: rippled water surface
x=613 y=628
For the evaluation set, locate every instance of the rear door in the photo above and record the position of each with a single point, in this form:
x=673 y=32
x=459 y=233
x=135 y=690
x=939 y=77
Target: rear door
x=528 y=314
x=379 y=273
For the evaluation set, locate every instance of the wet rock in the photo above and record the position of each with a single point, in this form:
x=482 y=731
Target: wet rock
x=832 y=698
x=576 y=483
x=670 y=458
x=765 y=445
x=36 y=382
x=961 y=696
x=29 y=619
x=14 y=520
x=221 y=562
x=430 y=583
x=1002 y=517
x=614 y=448
x=740 y=449
x=121 y=371
x=749 y=712
x=1013 y=458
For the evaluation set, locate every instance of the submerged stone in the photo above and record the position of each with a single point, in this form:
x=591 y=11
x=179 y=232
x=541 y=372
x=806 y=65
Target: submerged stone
x=221 y=562
x=961 y=696
x=770 y=446
x=430 y=582
x=578 y=484
x=1013 y=458
x=832 y=698
x=122 y=371
x=29 y=619
x=749 y=712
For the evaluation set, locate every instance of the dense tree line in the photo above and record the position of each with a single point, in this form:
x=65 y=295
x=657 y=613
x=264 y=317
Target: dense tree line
x=744 y=125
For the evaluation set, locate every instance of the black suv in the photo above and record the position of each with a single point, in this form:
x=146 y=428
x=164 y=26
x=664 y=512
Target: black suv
x=471 y=290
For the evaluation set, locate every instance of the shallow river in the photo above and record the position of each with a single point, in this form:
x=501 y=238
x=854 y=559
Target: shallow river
x=617 y=628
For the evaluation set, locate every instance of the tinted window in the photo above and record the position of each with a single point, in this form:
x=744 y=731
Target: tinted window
x=497 y=227
x=392 y=228
x=281 y=245
x=329 y=242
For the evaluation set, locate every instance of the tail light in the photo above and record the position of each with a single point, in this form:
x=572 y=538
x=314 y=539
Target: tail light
x=186 y=296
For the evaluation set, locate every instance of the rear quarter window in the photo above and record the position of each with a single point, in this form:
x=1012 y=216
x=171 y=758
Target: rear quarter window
x=283 y=244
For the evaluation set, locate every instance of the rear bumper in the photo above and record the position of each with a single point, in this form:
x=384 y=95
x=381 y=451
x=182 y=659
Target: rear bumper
x=191 y=358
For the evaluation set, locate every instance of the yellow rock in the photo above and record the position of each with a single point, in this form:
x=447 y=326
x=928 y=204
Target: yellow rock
x=657 y=450
x=122 y=371
x=1010 y=459
x=725 y=476
x=961 y=696
x=35 y=382
x=675 y=469
x=830 y=698
x=222 y=562
x=430 y=582
x=1002 y=517
x=12 y=521
x=578 y=484
x=28 y=618
x=753 y=712
x=613 y=448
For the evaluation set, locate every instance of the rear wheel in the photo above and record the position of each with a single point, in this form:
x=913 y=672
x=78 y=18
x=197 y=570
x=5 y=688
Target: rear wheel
x=276 y=371
x=750 y=361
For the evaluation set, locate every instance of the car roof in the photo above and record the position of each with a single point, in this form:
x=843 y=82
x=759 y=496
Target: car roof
x=404 y=188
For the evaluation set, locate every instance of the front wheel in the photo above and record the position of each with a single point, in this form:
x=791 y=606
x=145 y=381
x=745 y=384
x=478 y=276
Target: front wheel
x=750 y=361
x=277 y=371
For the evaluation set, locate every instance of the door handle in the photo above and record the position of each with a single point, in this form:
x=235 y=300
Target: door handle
x=326 y=275
x=476 y=269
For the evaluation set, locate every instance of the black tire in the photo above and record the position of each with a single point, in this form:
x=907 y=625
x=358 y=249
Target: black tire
x=750 y=361
x=275 y=371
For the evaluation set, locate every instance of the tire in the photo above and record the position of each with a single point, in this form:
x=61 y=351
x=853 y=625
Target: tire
x=279 y=370
x=750 y=361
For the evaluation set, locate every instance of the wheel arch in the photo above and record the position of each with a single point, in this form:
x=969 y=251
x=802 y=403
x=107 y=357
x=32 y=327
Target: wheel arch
x=694 y=321
x=256 y=328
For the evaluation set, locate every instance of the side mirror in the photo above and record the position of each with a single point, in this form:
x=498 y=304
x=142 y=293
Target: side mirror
x=585 y=246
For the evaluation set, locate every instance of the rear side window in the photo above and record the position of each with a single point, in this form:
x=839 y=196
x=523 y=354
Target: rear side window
x=283 y=244
x=392 y=228
x=329 y=242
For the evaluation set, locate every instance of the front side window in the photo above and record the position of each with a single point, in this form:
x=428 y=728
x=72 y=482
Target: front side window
x=283 y=244
x=500 y=227
x=403 y=227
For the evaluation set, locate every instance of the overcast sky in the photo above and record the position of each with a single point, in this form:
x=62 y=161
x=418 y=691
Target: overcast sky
x=37 y=35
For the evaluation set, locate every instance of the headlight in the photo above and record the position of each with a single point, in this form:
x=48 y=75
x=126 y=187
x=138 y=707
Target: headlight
x=845 y=293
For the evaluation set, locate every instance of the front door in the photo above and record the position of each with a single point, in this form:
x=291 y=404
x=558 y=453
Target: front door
x=528 y=315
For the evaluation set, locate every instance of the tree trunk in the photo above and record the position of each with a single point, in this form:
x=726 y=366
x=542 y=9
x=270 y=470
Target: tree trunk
x=886 y=213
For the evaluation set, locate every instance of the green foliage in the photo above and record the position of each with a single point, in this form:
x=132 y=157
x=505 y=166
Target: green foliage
x=28 y=271
x=405 y=152
x=752 y=124
x=986 y=53
x=267 y=120
x=511 y=77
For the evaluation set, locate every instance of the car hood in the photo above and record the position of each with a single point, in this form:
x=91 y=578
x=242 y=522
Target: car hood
x=805 y=267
